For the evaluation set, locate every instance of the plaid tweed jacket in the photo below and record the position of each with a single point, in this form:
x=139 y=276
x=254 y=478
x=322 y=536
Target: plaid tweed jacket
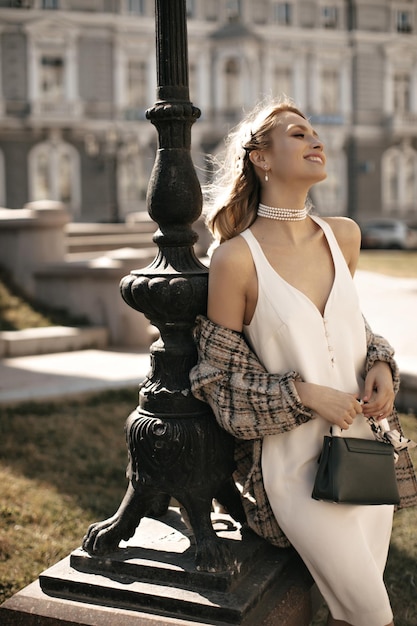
x=250 y=403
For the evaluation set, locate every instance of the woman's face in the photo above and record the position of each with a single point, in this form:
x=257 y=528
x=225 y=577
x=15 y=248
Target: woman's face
x=296 y=152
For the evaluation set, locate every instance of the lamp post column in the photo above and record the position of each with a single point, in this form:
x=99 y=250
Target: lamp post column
x=175 y=446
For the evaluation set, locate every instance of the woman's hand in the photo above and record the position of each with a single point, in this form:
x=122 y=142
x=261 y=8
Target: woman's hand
x=337 y=407
x=379 y=393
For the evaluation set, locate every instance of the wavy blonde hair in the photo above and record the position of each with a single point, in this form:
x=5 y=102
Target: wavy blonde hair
x=231 y=200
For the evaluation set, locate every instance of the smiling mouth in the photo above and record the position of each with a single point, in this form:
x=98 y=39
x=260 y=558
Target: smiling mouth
x=315 y=159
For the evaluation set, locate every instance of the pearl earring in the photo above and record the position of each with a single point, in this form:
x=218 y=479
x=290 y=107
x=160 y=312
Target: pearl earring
x=266 y=173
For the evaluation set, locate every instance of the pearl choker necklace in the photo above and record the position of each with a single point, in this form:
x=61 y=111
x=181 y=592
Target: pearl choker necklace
x=277 y=213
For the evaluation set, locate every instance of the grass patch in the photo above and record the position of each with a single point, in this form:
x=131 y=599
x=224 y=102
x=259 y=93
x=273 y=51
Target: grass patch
x=402 y=264
x=18 y=312
x=62 y=467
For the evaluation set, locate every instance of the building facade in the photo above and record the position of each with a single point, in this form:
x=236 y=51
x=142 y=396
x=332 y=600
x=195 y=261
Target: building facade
x=76 y=78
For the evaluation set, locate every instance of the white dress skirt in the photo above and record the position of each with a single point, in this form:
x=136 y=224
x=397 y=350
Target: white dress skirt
x=345 y=547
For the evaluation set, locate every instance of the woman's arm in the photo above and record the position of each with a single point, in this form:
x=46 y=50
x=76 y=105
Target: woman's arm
x=337 y=407
x=382 y=378
x=232 y=288
x=380 y=350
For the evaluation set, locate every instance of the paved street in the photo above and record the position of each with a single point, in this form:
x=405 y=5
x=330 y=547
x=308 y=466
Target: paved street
x=390 y=306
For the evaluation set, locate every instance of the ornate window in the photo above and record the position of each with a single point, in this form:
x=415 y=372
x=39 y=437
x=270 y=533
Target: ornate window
x=53 y=70
x=190 y=8
x=330 y=91
x=137 y=7
x=132 y=179
x=404 y=21
x=233 y=9
x=137 y=75
x=52 y=78
x=232 y=92
x=54 y=173
x=50 y=4
x=399 y=181
x=212 y=10
x=283 y=81
x=283 y=13
x=259 y=11
x=329 y=16
x=402 y=92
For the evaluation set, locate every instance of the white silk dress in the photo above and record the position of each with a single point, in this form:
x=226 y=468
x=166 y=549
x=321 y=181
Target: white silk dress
x=345 y=547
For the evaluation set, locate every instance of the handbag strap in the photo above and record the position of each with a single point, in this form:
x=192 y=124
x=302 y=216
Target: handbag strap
x=382 y=432
x=378 y=428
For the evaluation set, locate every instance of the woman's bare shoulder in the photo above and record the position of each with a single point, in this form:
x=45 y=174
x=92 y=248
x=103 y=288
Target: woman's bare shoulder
x=348 y=235
x=233 y=253
x=230 y=278
x=343 y=226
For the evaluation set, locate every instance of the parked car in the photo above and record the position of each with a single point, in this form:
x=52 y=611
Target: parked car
x=389 y=234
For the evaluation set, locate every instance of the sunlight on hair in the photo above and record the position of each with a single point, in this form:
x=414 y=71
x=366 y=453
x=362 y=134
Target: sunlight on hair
x=232 y=197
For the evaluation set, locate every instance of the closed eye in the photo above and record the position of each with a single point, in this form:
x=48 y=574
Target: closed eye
x=301 y=131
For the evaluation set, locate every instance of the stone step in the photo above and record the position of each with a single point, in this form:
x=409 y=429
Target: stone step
x=50 y=339
x=136 y=233
x=100 y=242
x=93 y=237
x=142 y=224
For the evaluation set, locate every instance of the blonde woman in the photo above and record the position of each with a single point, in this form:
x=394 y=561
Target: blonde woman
x=284 y=353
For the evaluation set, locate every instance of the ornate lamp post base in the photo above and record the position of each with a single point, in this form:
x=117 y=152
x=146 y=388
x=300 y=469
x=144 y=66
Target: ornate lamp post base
x=152 y=581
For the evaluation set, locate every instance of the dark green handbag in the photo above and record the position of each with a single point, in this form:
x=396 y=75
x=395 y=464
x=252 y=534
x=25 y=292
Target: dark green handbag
x=356 y=471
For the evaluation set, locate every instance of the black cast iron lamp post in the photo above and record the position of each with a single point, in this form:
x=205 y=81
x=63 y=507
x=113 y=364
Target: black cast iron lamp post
x=175 y=446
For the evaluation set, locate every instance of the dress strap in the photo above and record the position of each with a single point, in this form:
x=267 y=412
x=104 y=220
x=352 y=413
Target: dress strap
x=254 y=246
x=331 y=239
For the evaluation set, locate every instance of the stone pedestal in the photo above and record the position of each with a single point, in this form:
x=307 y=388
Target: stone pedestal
x=30 y=238
x=151 y=580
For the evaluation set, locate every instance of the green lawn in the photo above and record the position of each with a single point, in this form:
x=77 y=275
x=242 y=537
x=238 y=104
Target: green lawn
x=390 y=262
x=18 y=312
x=62 y=466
